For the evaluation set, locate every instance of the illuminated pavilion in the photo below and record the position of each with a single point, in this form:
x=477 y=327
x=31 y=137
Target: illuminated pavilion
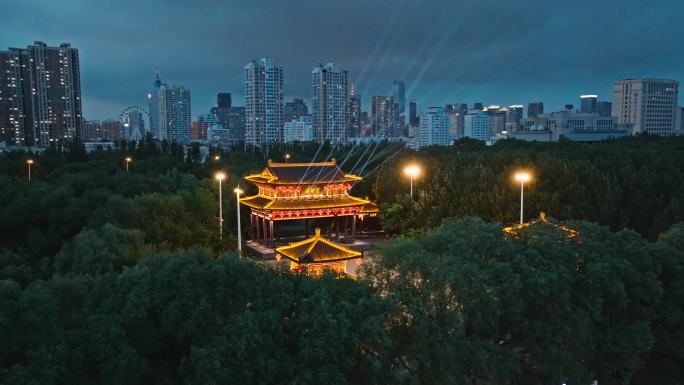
x=317 y=254
x=305 y=192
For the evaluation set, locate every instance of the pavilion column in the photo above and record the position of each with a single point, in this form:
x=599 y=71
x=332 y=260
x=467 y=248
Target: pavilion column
x=270 y=230
x=257 y=224
x=354 y=227
x=264 y=230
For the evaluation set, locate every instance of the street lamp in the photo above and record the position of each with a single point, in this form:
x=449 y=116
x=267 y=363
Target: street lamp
x=412 y=171
x=287 y=157
x=238 y=191
x=220 y=177
x=217 y=157
x=29 y=162
x=522 y=177
x=128 y=161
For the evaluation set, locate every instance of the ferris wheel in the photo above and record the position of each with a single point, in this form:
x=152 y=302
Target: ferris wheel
x=132 y=120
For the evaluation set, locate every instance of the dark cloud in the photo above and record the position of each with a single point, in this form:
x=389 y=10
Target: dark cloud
x=447 y=51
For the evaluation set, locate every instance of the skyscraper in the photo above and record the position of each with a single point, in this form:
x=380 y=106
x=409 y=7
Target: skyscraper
x=383 y=116
x=604 y=108
x=413 y=113
x=588 y=103
x=330 y=103
x=294 y=109
x=263 y=102
x=477 y=125
x=40 y=94
x=223 y=100
x=534 y=109
x=434 y=128
x=399 y=95
x=354 y=113
x=649 y=104
x=174 y=113
x=153 y=107
x=230 y=118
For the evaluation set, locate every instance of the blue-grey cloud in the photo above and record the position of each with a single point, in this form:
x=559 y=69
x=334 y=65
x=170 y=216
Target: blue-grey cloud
x=493 y=51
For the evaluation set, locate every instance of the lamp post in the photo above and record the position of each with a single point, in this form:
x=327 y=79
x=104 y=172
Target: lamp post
x=29 y=162
x=128 y=161
x=412 y=171
x=238 y=191
x=217 y=157
x=522 y=177
x=220 y=177
x=287 y=157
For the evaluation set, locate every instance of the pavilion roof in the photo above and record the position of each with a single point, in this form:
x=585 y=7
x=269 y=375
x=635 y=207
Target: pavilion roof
x=317 y=249
x=301 y=203
x=302 y=173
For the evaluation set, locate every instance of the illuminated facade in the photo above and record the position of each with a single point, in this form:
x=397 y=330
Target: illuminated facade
x=309 y=193
x=317 y=254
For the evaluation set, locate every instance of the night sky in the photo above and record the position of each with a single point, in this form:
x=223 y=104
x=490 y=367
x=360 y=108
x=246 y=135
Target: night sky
x=496 y=52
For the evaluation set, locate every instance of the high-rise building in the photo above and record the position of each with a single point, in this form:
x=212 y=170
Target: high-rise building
x=604 y=108
x=583 y=127
x=399 y=95
x=679 y=124
x=263 y=102
x=153 y=107
x=174 y=113
x=477 y=125
x=497 y=119
x=649 y=104
x=299 y=130
x=231 y=119
x=534 y=109
x=40 y=94
x=434 y=128
x=294 y=109
x=224 y=100
x=383 y=117
x=111 y=130
x=477 y=106
x=588 y=103
x=354 y=114
x=330 y=103
x=413 y=113
x=513 y=117
x=203 y=126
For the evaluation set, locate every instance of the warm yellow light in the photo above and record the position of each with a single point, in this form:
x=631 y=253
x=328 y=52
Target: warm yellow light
x=238 y=190
x=287 y=156
x=129 y=159
x=217 y=157
x=220 y=176
x=29 y=161
x=522 y=176
x=412 y=170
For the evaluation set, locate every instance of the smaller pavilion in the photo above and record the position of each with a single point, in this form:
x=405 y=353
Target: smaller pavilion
x=317 y=254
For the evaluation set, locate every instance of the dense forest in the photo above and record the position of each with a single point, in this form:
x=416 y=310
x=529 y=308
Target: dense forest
x=116 y=277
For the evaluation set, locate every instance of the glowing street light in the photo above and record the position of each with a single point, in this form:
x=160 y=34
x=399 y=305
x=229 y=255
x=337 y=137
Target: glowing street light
x=412 y=171
x=29 y=162
x=128 y=161
x=238 y=191
x=522 y=177
x=220 y=177
x=287 y=157
x=217 y=157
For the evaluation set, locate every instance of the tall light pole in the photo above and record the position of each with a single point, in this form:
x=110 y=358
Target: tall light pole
x=128 y=161
x=522 y=177
x=287 y=157
x=29 y=162
x=220 y=177
x=412 y=171
x=238 y=191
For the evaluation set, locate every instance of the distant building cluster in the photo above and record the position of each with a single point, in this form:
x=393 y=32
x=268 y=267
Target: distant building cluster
x=40 y=104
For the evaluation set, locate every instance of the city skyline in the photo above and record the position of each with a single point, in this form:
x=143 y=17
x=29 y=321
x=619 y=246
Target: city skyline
x=497 y=52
